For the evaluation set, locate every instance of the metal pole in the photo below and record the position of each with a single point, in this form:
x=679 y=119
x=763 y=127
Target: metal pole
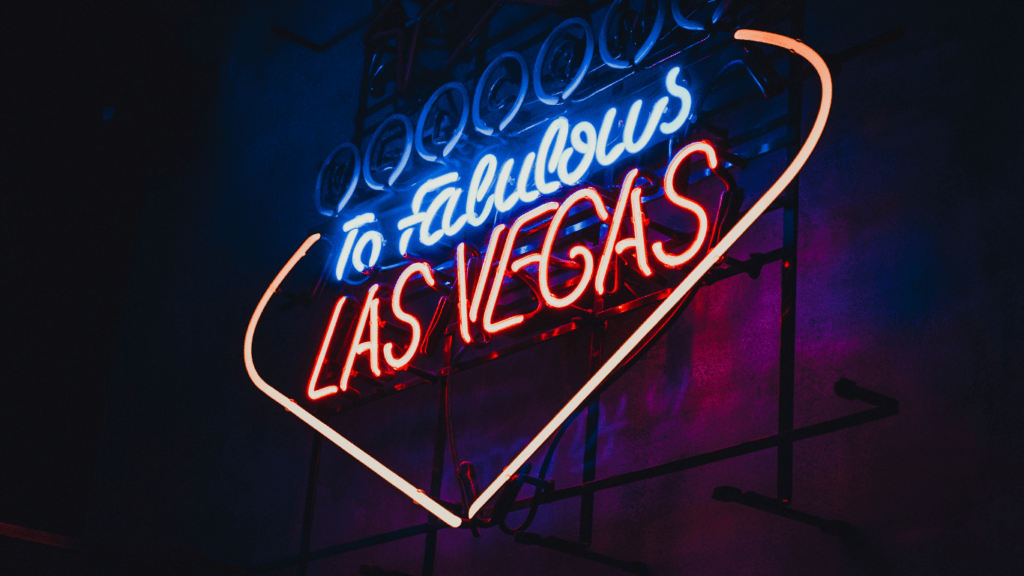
x=307 y=516
x=437 y=471
x=593 y=417
x=787 y=347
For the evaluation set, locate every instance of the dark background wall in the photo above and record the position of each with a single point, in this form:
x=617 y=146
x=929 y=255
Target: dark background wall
x=136 y=248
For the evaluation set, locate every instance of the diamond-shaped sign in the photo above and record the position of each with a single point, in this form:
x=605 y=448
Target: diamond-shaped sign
x=615 y=361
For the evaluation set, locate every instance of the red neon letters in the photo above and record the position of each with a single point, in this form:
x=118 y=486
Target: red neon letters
x=414 y=324
x=677 y=260
x=313 y=393
x=490 y=325
x=543 y=273
x=613 y=362
x=369 y=317
x=365 y=339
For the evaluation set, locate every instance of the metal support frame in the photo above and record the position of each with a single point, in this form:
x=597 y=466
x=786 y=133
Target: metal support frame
x=782 y=442
x=307 y=515
x=790 y=218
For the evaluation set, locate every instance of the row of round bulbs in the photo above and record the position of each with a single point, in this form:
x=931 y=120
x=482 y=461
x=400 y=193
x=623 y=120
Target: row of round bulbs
x=342 y=169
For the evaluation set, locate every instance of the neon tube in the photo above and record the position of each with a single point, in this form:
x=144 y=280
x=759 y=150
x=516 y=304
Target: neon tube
x=452 y=228
x=478 y=122
x=351 y=230
x=406 y=152
x=552 y=157
x=346 y=252
x=485 y=270
x=527 y=196
x=548 y=156
x=543 y=277
x=369 y=315
x=524 y=261
x=312 y=392
x=500 y=203
x=424 y=218
x=376 y=239
x=607 y=157
x=638 y=243
x=461 y=275
x=677 y=294
x=686 y=101
x=499 y=276
x=676 y=260
x=479 y=184
x=401 y=362
x=288 y=404
x=448 y=196
x=459 y=89
x=588 y=148
x=634 y=146
x=613 y=231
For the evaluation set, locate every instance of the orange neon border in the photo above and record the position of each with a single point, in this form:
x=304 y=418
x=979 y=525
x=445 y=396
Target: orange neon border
x=370 y=462
x=676 y=296
x=614 y=361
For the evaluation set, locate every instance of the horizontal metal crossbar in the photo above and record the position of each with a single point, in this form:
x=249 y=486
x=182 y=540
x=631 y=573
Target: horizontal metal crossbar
x=888 y=407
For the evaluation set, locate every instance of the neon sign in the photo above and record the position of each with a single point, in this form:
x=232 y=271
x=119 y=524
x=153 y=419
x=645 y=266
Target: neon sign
x=465 y=197
x=563 y=158
x=590 y=265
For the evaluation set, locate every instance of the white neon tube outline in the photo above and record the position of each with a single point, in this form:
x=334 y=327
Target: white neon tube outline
x=406 y=152
x=621 y=354
x=418 y=496
x=686 y=100
x=356 y=173
x=547 y=156
x=655 y=34
x=463 y=117
x=694 y=276
x=357 y=253
x=478 y=121
x=588 y=55
x=588 y=149
x=612 y=239
x=634 y=146
x=479 y=184
x=605 y=157
x=638 y=243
